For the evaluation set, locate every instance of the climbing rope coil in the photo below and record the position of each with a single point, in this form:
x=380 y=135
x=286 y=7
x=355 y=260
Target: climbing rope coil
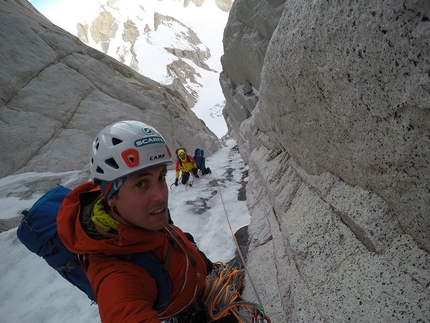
x=221 y=295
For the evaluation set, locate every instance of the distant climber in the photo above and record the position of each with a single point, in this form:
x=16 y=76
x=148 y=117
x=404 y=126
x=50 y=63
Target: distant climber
x=199 y=158
x=184 y=164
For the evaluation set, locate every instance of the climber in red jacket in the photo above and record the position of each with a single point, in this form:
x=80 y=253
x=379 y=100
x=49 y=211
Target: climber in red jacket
x=124 y=210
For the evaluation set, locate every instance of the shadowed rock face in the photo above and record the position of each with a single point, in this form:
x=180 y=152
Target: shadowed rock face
x=56 y=94
x=331 y=111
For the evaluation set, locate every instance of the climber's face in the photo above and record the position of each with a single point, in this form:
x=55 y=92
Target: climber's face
x=143 y=198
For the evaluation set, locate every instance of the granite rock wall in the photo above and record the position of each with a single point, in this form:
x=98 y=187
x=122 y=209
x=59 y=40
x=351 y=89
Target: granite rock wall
x=331 y=110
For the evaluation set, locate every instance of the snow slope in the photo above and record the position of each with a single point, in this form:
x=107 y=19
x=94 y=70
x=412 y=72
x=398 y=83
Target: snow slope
x=32 y=292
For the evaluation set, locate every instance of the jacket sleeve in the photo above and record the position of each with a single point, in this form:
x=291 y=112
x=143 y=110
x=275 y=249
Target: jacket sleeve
x=177 y=169
x=193 y=162
x=124 y=291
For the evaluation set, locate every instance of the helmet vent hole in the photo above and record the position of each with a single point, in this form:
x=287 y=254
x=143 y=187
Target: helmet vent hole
x=112 y=163
x=116 y=141
x=99 y=170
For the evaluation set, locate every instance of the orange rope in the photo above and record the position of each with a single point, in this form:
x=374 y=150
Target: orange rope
x=222 y=294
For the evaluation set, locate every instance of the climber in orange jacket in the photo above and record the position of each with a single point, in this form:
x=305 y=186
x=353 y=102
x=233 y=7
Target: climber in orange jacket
x=124 y=210
x=185 y=164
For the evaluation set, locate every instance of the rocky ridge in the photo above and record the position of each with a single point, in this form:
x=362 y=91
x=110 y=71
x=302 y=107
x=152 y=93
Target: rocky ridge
x=104 y=28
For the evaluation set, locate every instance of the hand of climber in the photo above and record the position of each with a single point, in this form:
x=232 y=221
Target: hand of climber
x=176 y=182
x=195 y=173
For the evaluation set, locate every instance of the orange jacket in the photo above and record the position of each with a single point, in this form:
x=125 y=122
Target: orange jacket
x=125 y=291
x=186 y=164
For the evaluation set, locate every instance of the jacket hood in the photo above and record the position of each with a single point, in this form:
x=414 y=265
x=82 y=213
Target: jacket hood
x=72 y=234
x=180 y=150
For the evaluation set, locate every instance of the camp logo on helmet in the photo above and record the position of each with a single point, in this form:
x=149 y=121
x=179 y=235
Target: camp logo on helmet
x=157 y=157
x=149 y=140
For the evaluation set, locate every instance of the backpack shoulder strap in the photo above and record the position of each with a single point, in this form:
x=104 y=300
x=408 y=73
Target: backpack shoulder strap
x=158 y=271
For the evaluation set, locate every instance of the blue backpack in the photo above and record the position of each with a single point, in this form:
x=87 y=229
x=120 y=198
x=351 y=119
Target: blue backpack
x=38 y=232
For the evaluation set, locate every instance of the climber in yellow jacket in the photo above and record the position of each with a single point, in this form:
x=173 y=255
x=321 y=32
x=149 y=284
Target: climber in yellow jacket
x=185 y=164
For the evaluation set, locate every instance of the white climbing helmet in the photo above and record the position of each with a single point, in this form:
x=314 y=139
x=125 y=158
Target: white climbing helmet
x=126 y=147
